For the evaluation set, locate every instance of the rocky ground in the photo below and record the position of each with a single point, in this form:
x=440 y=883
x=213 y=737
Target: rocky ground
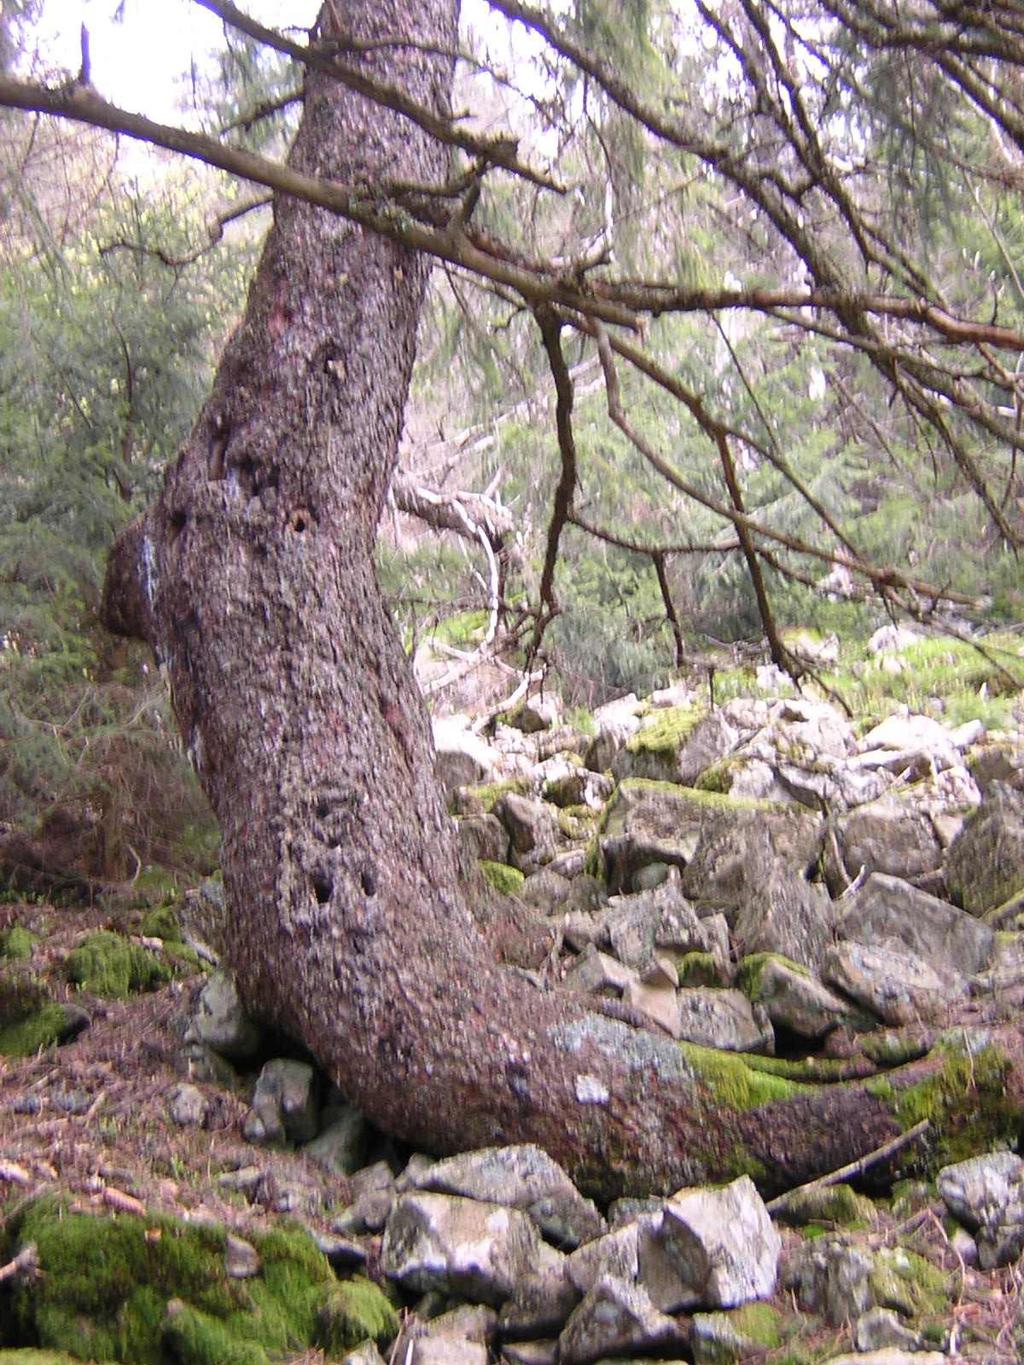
x=765 y=883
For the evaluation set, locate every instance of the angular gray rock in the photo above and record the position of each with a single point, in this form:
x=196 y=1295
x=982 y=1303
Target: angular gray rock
x=615 y=1316
x=986 y=1193
x=786 y=914
x=722 y=1243
x=792 y=998
x=886 y=909
x=284 y=1103
x=676 y=745
x=521 y=1177
x=889 y=981
x=340 y=1146
x=532 y=829
x=985 y=864
x=220 y=1022
x=723 y=1019
x=743 y=844
x=892 y=836
x=478 y=1251
x=831 y=1278
x=483 y=836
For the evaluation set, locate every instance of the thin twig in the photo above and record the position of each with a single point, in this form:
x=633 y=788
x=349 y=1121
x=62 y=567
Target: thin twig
x=854 y=1167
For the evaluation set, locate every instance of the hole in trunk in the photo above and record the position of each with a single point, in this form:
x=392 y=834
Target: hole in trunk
x=323 y=885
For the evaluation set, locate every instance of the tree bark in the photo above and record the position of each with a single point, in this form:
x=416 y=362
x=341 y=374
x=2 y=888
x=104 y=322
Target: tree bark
x=253 y=579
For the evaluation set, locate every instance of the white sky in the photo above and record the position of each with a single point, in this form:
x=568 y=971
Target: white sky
x=139 y=62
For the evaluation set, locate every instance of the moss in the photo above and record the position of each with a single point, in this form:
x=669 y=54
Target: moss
x=717 y=778
x=727 y=1338
x=698 y=969
x=667 y=731
x=21 y=994
x=906 y=1282
x=507 y=880
x=890 y=1049
x=966 y=1103
x=732 y=1079
x=717 y=801
x=482 y=799
x=196 y=1338
x=806 y=1070
x=833 y=1204
x=17 y=943
x=108 y=964
x=576 y=822
x=162 y=923
x=43 y=1028
x=760 y=1323
x=748 y=975
x=355 y=1310
x=34 y=1357
x=107 y=1282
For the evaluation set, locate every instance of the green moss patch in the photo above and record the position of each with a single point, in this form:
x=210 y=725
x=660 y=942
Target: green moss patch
x=145 y=1289
x=41 y=1029
x=355 y=1310
x=734 y=1081
x=668 y=730
x=966 y=1103
x=507 y=880
x=907 y=1283
x=16 y=944
x=108 y=964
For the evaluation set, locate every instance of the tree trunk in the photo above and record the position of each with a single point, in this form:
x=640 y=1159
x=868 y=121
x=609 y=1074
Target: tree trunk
x=253 y=578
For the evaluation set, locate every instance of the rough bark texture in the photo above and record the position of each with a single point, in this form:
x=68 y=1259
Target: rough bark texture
x=253 y=578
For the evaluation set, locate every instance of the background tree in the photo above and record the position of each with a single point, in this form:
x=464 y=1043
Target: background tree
x=350 y=926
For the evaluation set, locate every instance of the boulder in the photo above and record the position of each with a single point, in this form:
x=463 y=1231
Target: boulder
x=340 y=1146
x=540 y=712
x=221 y=1023
x=985 y=865
x=787 y=915
x=594 y=971
x=722 y=1243
x=792 y=998
x=284 y=1105
x=615 y=1316
x=886 y=909
x=464 y=1247
x=522 y=1177
x=724 y=1338
x=741 y=845
x=462 y=757
x=892 y=836
x=723 y=1019
x=483 y=836
x=532 y=829
x=891 y=982
x=676 y=744
x=647 y=822
x=986 y=1193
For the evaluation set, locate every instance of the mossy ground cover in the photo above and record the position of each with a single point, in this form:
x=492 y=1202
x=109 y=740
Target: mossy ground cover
x=110 y=965
x=140 y=1289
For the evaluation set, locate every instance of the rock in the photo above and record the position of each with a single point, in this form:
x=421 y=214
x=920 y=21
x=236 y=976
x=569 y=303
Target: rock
x=722 y=1243
x=241 y=1259
x=340 y=1146
x=786 y=915
x=658 y=1003
x=539 y=1306
x=897 y=986
x=537 y=713
x=792 y=998
x=366 y=1354
x=893 y=639
x=892 y=836
x=839 y=1204
x=522 y=1177
x=742 y=845
x=483 y=836
x=986 y=1193
x=676 y=744
x=532 y=829
x=373 y=1197
x=911 y=743
x=998 y=762
x=594 y=971
x=881 y=1327
x=462 y=758
x=188 y=1105
x=831 y=1278
x=615 y=723
x=284 y=1103
x=447 y=1351
x=478 y=1251
x=615 y=1316
x=886 y=909
x=723 y=1019
x=724 y=1338
x=644 y=823
x=530 y=1353
x=985 y=865
x=221 y=1023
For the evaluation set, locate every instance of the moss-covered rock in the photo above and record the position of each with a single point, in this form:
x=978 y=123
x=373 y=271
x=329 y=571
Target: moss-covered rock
x=46 y=1026
x=110 y=965
x=355 y=1310
x=839 y=1205
x=906 y=1282
x=732 y=1082
x=161 y=922
x=507 y=880
x=965 y=1100
x=136 y=1289
x=726 y=1338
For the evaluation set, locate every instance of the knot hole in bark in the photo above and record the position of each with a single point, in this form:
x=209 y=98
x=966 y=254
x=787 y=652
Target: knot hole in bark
x=300 y=521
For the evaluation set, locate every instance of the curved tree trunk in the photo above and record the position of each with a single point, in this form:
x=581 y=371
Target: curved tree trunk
x=253 y=578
